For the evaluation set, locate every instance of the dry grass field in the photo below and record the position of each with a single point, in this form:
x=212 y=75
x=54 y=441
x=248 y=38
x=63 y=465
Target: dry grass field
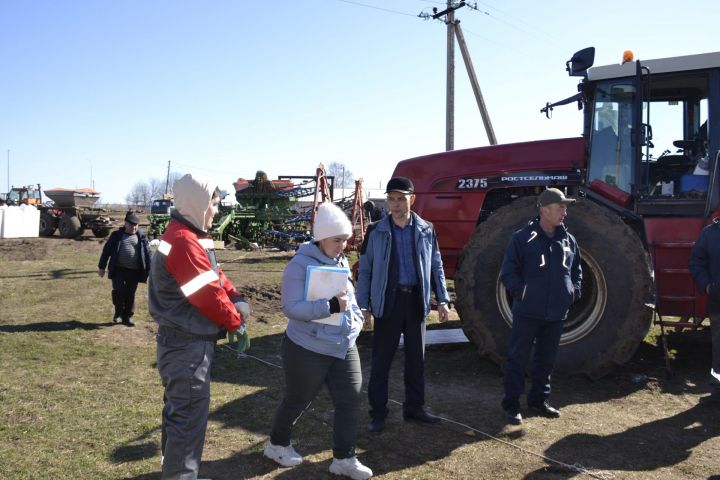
x=81 y=397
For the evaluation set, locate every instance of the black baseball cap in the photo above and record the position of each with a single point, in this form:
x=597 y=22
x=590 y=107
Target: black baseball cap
x=400 y=184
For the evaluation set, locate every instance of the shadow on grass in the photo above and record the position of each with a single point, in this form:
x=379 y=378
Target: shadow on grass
x=53 y=327
x=58 y=274
x=647 y=447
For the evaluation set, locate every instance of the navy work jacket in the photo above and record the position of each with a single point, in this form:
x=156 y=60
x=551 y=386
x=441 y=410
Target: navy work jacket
x=542 y=273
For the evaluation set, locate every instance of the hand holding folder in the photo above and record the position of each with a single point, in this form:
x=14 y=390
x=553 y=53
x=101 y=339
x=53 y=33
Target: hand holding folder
x=323 y=282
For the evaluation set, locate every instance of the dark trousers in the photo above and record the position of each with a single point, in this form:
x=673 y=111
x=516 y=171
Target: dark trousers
x=124 y=286
x=305 y=373
x=715 y=332
x=184 y=367
x=546 y=337
x=405 y=317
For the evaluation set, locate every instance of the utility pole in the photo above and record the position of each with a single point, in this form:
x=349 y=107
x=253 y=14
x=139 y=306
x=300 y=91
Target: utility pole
x=167 y=179
x=8 y=168
x=454 y=30
x=475 y=86
x=450 y=89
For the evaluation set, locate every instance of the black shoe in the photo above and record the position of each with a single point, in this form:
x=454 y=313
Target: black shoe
x=376 y=425
x=545 y=410
x=117 y=319
x=513 y=415
x=128 y=322
x=421 y=416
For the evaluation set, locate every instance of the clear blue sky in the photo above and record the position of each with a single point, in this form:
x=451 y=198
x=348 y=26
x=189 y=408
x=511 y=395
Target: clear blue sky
x=109 y=91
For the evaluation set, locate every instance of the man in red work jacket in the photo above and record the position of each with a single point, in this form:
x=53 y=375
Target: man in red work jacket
x=194 y=305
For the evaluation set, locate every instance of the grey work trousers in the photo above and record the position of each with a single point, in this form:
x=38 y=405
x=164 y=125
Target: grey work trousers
x=184 y=367
x=305 y=373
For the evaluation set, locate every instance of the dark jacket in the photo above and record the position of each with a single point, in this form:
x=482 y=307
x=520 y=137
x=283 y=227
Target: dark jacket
x=112 y=248
x=705 y=264
x=542 y=274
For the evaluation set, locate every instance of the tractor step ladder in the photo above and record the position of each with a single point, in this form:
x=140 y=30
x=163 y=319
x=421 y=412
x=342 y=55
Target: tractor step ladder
x=675 y=289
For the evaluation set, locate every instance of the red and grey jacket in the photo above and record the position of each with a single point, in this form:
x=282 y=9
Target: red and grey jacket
x=187 y=290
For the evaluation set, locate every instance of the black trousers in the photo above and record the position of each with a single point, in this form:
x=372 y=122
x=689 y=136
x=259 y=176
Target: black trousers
x=124 y=286
x=545 y=335
x=405 y=317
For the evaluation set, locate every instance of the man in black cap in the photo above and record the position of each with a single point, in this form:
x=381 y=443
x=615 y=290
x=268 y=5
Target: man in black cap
x=396 y=290
x=128 y=252
x=541 y=270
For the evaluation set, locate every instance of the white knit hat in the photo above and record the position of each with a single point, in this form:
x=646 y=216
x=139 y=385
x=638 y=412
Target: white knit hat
x=331 y=221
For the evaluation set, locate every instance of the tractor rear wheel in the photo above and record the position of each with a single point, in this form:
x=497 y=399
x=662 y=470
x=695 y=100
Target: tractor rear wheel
x=48 y=224
x=603 y=329
x=70 y=226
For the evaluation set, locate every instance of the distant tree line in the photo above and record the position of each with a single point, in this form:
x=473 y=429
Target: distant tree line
x=143 y=193
x=343 y=175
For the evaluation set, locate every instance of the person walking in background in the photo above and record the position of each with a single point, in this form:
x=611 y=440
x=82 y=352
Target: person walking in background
x=126 y=255
x=194 y=304
x=316 y=354
x=542 y=272
x=400 y=265
x=705 y=268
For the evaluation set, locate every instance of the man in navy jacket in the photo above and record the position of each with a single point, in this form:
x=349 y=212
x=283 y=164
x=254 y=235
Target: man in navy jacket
x=541 y=270
x=705 y=269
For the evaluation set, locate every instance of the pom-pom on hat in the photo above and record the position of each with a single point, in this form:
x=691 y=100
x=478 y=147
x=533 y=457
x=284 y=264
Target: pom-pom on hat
x=331 y=221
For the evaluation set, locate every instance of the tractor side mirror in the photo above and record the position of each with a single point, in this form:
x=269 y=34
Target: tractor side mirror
x=580 y=62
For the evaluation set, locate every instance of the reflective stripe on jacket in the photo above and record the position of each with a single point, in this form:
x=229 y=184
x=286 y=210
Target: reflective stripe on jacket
x=187 y=290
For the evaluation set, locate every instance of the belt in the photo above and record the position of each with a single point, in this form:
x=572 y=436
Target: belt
x=170 y=332
x=406 y=288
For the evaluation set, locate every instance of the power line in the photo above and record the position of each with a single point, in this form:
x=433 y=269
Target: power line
x=511 y=25
x=376 y=7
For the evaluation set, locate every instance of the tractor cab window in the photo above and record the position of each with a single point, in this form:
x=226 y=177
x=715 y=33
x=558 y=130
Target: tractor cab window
x=611 y=151
x=13 y=198
x=675 y=162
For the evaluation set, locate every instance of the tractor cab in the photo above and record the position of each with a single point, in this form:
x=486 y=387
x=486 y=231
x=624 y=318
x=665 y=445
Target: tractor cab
x=653 y=134
x=652 y=129
x=25 y=195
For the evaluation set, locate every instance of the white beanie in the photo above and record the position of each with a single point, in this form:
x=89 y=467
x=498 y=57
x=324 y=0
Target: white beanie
x=331 y=221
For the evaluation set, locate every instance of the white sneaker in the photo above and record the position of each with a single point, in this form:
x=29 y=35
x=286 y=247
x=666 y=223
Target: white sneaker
x=285 y=456
x=350 y=467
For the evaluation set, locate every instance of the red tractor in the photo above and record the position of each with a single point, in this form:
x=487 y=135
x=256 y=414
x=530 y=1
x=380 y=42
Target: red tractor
x=645 y=173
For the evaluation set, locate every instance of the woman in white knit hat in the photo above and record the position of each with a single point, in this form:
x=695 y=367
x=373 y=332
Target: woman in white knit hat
x=316 y=354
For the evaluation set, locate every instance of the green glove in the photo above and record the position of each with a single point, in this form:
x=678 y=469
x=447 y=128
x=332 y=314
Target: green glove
x=243 y=339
